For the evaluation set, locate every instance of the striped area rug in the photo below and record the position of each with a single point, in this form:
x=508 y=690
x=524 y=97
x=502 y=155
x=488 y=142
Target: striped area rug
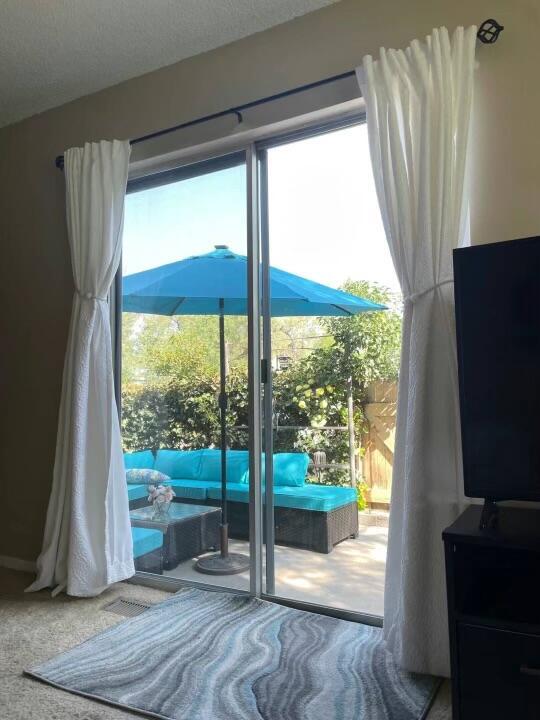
x=219 y=656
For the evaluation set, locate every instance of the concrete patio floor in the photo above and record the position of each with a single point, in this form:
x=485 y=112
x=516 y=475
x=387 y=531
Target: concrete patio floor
x=350 y=577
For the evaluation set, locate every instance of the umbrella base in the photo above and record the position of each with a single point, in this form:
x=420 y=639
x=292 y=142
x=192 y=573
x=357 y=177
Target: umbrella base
x=217 y=564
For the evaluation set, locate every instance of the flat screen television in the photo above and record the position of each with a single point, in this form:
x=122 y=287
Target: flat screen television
x=497 y=292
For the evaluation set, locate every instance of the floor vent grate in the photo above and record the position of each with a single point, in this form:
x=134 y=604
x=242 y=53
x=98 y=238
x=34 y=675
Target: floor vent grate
x=127 y=608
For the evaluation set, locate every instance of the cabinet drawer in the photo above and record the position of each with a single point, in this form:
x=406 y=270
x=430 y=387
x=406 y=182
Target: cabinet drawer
x=499 y=674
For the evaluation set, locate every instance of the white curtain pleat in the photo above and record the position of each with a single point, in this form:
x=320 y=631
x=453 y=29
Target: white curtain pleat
x=87 y=543
x=419 y=104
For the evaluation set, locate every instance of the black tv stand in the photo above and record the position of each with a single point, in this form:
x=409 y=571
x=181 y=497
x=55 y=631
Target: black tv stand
x=490 y=515
x=493 y=586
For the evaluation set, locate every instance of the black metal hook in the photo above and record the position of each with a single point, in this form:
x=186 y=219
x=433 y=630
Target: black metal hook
x=489 y=31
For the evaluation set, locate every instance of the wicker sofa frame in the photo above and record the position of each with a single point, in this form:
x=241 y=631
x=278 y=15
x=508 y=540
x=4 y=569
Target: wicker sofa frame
x=307 y=529
x=151 y=562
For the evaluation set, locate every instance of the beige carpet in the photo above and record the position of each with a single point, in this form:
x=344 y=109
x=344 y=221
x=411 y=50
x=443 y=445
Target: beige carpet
x=35 y=627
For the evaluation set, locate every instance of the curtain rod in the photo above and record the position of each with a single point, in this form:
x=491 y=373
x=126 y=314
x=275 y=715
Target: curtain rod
x=488 y=32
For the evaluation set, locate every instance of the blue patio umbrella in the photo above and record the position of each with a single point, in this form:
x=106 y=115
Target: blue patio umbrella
x=216 y=284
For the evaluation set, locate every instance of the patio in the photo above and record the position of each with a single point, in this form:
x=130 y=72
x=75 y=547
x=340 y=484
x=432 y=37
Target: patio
x=350 y=577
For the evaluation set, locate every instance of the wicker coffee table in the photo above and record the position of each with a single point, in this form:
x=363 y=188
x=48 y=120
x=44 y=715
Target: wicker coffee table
x=188 y=530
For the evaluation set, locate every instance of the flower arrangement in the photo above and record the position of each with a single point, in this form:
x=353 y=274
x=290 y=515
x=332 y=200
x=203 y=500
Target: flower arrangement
x=161 y=497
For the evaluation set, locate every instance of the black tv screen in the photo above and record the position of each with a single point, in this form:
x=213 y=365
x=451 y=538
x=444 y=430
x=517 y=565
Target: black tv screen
x=497 y=292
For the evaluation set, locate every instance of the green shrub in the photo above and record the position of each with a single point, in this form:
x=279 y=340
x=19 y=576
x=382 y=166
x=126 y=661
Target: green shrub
x=185 y=415
x=361 y=492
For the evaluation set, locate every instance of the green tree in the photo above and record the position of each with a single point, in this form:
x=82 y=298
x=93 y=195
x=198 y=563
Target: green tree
x=367 y=346
x=363 y=347
x=329 y=386
x=159 y=349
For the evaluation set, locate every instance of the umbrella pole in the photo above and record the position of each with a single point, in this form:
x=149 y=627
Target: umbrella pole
x=224 y=530
x=224 y=562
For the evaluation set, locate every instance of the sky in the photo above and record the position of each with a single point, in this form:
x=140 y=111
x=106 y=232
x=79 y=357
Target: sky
x=324 y=217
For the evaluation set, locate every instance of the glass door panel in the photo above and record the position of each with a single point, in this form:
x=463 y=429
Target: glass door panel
x=324 y=545
x=185 y=369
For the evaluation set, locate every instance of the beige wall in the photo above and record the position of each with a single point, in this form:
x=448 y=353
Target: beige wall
x=35 y=282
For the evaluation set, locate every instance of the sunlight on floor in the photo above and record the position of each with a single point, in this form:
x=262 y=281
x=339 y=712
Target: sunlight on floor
x=350 y=577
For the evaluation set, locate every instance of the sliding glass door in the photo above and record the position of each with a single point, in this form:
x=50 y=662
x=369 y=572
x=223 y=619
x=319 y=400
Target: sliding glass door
x=253 y=323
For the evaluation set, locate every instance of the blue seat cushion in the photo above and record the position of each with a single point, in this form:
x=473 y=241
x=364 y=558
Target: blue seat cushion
x=140 y=460
x=315 y=497
x=136 y=492
x=179 y=464
x=323 y=498
x=237 y=466
x=190 y=489
x=238 y=492
x=145 y=540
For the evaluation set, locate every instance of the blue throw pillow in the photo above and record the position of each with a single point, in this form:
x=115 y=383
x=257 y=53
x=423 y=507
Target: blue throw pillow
x=140 y=476
x=142 y=459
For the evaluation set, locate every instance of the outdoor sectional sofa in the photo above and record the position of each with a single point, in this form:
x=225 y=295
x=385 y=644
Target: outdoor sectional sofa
x=306 y=515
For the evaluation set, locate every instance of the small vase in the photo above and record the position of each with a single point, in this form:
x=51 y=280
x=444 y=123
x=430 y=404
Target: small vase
x=161 y=509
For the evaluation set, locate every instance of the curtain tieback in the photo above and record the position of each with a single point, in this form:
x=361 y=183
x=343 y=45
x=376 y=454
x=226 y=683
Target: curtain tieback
x=413 y=297
x=89 y=296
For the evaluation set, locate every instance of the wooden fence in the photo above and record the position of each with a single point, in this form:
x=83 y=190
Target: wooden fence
x=378 y=442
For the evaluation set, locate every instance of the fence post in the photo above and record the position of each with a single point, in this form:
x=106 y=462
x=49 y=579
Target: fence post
x=378 y=441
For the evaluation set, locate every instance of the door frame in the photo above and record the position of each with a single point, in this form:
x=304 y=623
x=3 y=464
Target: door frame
x=259 y=355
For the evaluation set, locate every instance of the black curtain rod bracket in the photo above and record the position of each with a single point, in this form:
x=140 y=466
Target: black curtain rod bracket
x=488 y=33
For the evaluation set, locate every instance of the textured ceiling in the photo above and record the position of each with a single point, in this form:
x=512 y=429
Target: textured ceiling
x=53 y=51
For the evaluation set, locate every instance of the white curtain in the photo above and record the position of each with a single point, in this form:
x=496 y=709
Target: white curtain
x=419 y=104
x=87 y=544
